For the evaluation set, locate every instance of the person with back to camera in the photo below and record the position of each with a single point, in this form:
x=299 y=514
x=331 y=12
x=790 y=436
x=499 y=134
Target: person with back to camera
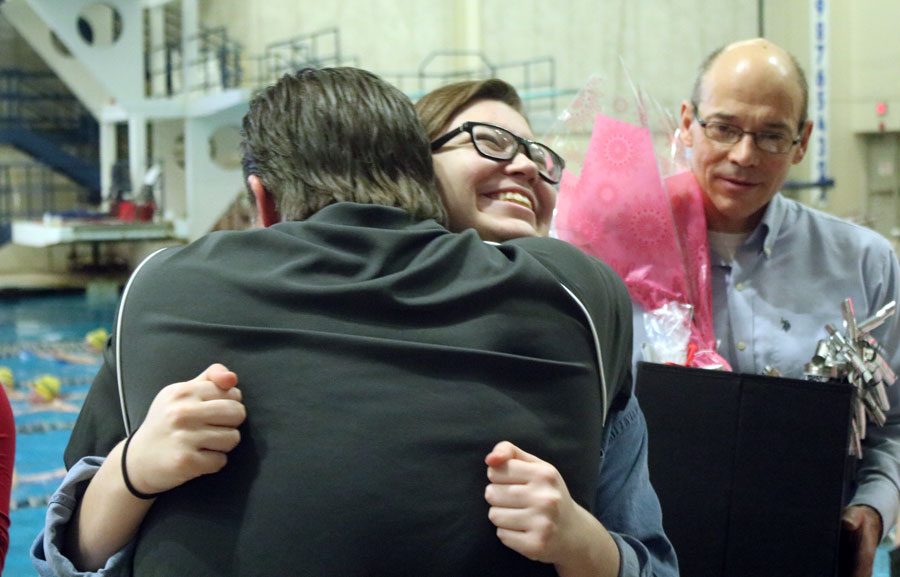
x=488 y=184
x=780 y=270
x=381 y=357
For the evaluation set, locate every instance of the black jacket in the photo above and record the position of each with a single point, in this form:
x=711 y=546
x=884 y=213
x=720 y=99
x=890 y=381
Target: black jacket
x=380 y=360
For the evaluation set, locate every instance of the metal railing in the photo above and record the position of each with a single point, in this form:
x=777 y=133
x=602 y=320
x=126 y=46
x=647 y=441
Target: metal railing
x=218 y=60
x=534 y=79
x=313 y=50
x=218 y=64
x=221 y=64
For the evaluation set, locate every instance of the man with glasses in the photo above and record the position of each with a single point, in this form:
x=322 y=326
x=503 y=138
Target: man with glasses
x=780 y=269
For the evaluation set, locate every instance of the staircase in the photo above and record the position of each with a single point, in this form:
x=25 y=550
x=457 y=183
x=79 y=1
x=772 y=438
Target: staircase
x=39 y=117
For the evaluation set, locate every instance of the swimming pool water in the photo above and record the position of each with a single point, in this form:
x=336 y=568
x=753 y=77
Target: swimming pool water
x=43 y=334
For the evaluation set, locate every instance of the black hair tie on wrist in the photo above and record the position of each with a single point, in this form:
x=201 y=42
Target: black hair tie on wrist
x=128 y=484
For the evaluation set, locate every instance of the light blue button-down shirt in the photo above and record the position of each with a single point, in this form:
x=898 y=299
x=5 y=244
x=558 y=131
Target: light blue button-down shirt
x=772 y=301
x=787 y=280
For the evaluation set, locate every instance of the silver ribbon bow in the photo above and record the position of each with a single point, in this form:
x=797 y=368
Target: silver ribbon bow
x=855 y=357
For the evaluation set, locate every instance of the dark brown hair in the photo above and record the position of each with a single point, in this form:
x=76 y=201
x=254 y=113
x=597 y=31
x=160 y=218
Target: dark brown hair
x=321 y=136
x=439 y=106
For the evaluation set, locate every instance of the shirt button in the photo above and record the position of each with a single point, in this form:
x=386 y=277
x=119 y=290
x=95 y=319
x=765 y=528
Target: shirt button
x=741 y=346
x=739 y=286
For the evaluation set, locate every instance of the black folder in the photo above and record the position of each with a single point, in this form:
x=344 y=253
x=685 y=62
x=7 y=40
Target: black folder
x=750 y=470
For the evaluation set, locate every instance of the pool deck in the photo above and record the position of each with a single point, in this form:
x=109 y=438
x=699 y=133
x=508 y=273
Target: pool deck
x=26 y=282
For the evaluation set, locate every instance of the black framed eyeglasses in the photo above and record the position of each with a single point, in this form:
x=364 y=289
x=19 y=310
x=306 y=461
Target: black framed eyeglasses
x=771 y=142
x=499 y=143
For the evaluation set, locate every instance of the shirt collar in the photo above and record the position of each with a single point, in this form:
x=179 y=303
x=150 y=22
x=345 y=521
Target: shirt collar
x=369 y=216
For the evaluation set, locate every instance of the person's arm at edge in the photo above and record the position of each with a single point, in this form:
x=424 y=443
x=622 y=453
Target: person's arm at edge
x=596 y=554
x=189 y=429
x=536 y=517
x=601 y=290
x=113 y=513
x=626 y=502
x=878 y=474
x=879 y=470
x=873 y=508
x=46 y=551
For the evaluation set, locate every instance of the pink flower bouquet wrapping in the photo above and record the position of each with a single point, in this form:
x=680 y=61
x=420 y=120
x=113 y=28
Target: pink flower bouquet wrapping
x=650 y=230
